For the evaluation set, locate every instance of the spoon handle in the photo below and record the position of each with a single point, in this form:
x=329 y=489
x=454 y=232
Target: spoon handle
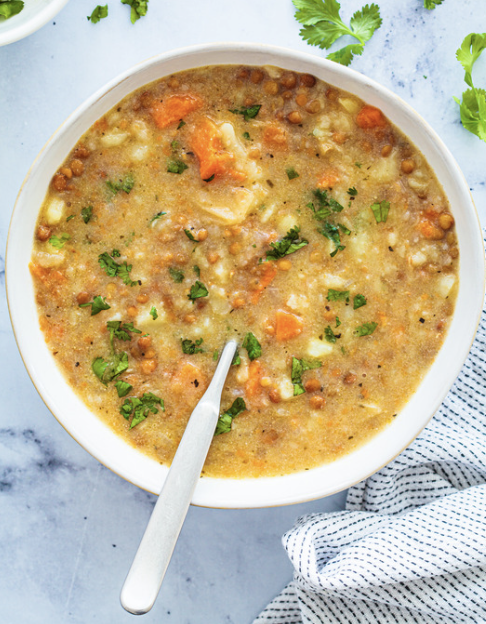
x=153 y=555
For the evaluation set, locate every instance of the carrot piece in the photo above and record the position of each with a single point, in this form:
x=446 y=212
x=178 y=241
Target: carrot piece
x=288 y=325
x=328 y=180
x=430 y=231
x=253 y=386
x=174 y=108
x=269 y=271
x=188 y=380
x=207 y=145
x=275 y=137
x=370 y=117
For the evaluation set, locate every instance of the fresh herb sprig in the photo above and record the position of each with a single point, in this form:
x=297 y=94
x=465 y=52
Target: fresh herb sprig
x=97 y=305
x=226 y=419
x=113 y=269
x=98 y=14
x=473 y=104
x=290 y=243
x=323 y=26
x=138 y=9
x=299 y=367
x=140 y=408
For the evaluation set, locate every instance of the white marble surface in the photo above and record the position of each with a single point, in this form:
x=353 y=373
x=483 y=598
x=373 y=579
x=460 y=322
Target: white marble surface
x=68 y=526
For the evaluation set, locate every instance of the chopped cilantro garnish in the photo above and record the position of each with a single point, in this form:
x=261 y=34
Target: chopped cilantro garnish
x=352 y=192
x=196 y=270
x=431 y=4
x=176 y=166
x=325 y=205
x=323 y=26
x=87 y=213
x=154 y=313
x=174 y=145
x=115 y=253
x=246 y=135
x=210 y=179
x=380 y=210
x=189 y=347
x=359 y=301
x=366 y=329
x=123 y=388
x=190 y=236
x=140 y=408
x=357 y=164
x=176 y=275
x=98 y=304
x=248 y=112
x=298 y=369
x=124 y=185
x=331 y=231
x=98 y=13
x=289 y=244
x=59 y=242
x=215 y=356
x=337 y=295
x=197 y=290
x=181 y=124
x=113 y=269
x=329 y=335
x=121 y=330
x=157 y=216
x=236 y=361
x=9 y=8
x=110 y=369
x=473 y=104
x=226 y=419
x=138 y=9
x=292 y=173
x=70 y=217
x=251 y=344
x=338 y=322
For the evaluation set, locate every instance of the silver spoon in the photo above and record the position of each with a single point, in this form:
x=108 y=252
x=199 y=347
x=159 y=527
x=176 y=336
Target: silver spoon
x=153 y=555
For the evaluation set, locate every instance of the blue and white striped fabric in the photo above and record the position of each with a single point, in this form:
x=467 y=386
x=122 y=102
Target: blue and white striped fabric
x=411 y=544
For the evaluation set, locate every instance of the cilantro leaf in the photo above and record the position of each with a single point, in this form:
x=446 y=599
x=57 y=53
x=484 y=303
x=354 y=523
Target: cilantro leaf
x=248 y=112
x=176 y=166
x=10 y=8
x=98 y=13
x=329 y=335
x=215 y=356
x=236 y=361
x=225 y=420
x=140 y=408
x=157 y=216
x=153 y=313
x=110 y=369
x=289 y=244
x=87 y=213
x=138 y=9
x=176 y=275
x=196 y=270
x=190 y=236
x=292 y=173
x=359 y=301
x=298 y=369
x=366 y=329
x=251 y=344
x=431 y=4
x=190 y=348
x=337 y=295
x=123 y=388
x=124 y=185
x=121 y=331
x=473 y=104
x=98 y=304
x=323 y=26
x=113 y=269
x=197 y=290
x=70 y=217
x=326 y=206
x=59 y=242
x=246 y=135
x=331 y=232
x=352 y=192
x=380 y=210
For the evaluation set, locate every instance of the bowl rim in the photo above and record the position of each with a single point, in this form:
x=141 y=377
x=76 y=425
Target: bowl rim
x=38 y=19
x=238 y=493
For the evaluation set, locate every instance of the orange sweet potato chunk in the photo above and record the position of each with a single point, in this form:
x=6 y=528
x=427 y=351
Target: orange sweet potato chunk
x=206 y=144
x=288 y=326
x=370 y=117
x=174 y=108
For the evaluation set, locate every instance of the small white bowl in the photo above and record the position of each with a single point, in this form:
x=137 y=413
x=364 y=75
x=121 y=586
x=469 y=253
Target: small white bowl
x=33 y=16
x=128 y=462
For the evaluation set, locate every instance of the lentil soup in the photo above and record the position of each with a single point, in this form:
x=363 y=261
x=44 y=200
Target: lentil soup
x=257 y=204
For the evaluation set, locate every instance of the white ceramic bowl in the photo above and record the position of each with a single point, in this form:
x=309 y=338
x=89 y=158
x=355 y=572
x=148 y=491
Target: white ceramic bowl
x=125 y=460
x=33 y=16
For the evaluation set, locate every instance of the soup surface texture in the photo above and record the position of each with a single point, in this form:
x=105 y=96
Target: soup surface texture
x=257 y=204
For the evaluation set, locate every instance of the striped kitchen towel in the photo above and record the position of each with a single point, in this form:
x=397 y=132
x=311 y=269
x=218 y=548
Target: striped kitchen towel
x=411 y=544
